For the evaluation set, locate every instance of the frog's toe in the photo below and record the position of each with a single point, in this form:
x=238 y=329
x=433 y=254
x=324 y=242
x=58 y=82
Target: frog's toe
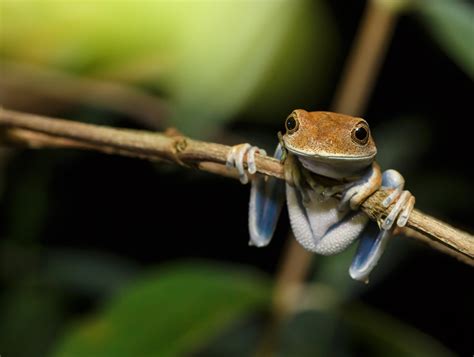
x=403 y=218
x=235 y=159
x=392 y=179
x=252 y=168
x=404 y=205
x=393 y=196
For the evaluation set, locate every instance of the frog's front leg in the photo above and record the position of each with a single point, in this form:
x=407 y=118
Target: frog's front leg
x=266 y=195
x=357 y=191
x=405 y=201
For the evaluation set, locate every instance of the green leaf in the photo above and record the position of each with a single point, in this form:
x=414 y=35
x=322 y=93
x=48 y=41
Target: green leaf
x=451 y=22
x=173 y=311
x=30 y=320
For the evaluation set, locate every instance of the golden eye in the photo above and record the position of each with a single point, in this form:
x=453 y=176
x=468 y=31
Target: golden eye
x=360 y=134
x=291 y=124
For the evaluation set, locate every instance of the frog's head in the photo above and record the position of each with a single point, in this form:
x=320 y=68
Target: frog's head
x=342 y=142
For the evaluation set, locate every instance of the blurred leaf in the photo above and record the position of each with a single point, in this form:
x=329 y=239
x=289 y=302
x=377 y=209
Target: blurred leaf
x=30 y=319
x=211 y=58
x=384 y=335
x=174 y=310
x=86 y=272
x=452 y=24
x=300 y=73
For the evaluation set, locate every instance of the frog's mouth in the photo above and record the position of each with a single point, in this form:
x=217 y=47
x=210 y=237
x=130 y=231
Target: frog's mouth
x=329 y=157
x=327 y=164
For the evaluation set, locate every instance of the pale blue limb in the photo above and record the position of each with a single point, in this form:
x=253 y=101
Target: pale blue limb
x=371 y=247
x=267 y=196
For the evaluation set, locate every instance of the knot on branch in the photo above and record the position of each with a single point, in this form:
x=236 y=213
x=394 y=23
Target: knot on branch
x=178 y=145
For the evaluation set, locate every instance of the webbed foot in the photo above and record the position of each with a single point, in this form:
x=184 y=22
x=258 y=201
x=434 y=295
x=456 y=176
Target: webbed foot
x=235 y=159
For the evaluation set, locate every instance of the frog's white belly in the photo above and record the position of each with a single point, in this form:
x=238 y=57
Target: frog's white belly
x=319 y=226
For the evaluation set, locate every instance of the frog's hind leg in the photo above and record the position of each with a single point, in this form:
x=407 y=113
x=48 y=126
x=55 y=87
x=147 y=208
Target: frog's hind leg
x=267 y=197
x=372 y=244
x=267 y=194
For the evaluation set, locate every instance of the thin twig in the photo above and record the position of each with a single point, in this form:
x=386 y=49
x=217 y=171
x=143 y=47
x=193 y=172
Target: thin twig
x=37 y=131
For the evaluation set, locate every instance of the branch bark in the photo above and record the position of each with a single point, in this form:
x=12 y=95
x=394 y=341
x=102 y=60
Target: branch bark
x=38 y=132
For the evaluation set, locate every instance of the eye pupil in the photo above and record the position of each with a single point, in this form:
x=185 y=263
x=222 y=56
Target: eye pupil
x=361 y=133
x=291 y=124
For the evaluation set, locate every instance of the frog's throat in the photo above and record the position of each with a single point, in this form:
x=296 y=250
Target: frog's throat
x=337 y=169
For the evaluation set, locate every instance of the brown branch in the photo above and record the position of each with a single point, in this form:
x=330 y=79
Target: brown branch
x=41 y=132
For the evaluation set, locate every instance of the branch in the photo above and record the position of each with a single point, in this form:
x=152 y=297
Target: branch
x=37 y=132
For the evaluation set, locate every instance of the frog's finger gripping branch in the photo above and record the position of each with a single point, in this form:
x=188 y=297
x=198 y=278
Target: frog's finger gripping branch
x=39 y=132
x=405 y=201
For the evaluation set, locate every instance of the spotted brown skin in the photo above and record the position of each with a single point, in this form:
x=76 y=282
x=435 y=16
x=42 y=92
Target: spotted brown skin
x=327 y=136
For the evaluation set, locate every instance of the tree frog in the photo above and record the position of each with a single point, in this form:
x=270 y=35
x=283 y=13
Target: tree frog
x=336 y=146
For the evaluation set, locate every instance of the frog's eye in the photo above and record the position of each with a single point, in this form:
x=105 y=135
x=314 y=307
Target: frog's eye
x=291 y=124
x=360 y=133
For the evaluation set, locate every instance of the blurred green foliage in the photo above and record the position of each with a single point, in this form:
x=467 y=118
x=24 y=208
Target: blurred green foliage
x=452 y=25
x=178 y=309
x=173 y=311
x=212 y=61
